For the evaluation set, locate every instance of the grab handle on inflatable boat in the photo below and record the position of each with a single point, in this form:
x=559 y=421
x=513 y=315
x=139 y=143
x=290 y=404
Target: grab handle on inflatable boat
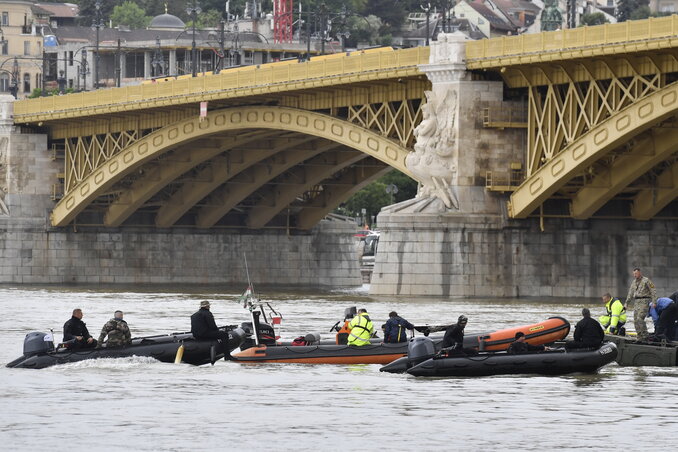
x=180 y=354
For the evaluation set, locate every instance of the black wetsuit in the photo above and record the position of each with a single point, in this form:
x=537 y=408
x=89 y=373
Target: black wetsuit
x=453 y=341
x=587 y=334
x=518 y=348
x=76 y=327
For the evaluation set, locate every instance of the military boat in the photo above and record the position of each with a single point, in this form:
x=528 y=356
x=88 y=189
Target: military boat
x=646 y=353
x=40 y=352
x=556 y=362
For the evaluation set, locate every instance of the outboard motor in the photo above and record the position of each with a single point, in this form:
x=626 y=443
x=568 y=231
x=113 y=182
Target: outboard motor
x=266 y=335
x=419 y=350
x=36 y=343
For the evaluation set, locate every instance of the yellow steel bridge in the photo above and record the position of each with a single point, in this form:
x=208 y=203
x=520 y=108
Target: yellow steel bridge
x=284 y=143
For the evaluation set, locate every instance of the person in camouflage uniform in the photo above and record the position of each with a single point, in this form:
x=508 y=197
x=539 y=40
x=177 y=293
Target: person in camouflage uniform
x=117 y=331
x=642 y=292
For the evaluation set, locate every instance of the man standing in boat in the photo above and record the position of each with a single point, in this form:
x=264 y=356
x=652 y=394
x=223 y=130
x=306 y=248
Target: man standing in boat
x=361 y=329
x=642 y=292
x=117 y=331
x=76 y=334
x=453 y=341
x=396 y=328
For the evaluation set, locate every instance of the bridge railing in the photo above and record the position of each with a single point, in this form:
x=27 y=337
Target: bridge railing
x=281 y=73
x=552 y=41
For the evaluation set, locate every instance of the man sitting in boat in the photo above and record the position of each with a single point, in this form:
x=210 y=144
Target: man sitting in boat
x=395 y=328
x=519 y=346
x=117 y=331
x=587 y=333
x=615 y=317
x=453 y=341
x=203 y=326
x=361 y=328
x=75 y=332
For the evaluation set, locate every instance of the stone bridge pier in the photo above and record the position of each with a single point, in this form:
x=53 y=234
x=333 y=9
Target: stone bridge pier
x=455 y=239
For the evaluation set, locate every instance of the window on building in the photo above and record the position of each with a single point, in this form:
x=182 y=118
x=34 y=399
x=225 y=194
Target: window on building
x=27 y=83
x=4 y=83
x=70 y=58
x=27 y=47
x=5 y=18
x=5 y=47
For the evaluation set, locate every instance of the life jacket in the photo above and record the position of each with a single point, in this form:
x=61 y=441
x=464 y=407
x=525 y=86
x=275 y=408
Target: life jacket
x=361 y=330
x=342 y=334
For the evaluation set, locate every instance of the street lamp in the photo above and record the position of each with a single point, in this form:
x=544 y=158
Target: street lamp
x=427 y=10
x=97 y=25
x=14 y=84
x=84 y=70
x=222 y=54
x=193 y=11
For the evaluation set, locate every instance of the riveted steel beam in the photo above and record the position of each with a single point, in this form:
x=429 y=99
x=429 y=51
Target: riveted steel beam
x=593 y=145
x=650 y=201
x=219 y=171
x=302 y=179
x=354 y=180
x=269 y=118
x=164 y=172
x=230 y=195
x=643 y=156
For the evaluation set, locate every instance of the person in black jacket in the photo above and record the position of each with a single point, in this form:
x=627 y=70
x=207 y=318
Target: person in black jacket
x=587 y=333
x=453 y=341
x=203 y=325
x=76 y=334
x=519 y=346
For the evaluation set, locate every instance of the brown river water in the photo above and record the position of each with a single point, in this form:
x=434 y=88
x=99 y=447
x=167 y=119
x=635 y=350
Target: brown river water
x=139 y=404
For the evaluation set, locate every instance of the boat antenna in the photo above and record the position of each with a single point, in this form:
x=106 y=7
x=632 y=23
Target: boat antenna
x=249 y=281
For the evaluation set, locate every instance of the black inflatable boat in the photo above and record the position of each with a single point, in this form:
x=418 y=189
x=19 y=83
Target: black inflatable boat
x=557 y=362
x=39 y=351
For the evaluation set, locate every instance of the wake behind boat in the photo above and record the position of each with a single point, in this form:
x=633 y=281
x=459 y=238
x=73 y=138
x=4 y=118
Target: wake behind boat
x=39 y=350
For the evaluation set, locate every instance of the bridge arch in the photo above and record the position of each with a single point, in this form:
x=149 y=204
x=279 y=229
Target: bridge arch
x=182 y=133
x=615 y=131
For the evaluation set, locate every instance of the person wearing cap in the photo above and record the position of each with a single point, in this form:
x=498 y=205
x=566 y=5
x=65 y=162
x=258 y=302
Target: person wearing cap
x=203 y=325
x=587 y=333
x=453 y=341
x=519 y=346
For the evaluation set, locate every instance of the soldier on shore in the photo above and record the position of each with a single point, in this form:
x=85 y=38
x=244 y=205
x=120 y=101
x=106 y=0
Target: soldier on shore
x=117 y=331
x=642 y=292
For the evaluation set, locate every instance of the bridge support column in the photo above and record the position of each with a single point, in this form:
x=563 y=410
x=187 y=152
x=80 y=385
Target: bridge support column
x=147 y=65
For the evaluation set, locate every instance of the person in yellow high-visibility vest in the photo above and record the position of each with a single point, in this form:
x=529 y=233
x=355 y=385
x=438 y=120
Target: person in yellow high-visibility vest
x=615 y=316
x=361 y=329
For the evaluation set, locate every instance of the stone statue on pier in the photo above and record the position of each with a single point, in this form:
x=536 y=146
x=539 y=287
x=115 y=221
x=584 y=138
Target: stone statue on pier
x=435 y=149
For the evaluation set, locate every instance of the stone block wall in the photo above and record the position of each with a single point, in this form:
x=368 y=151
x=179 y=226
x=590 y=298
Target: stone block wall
x=32 y=252
x=487 y=256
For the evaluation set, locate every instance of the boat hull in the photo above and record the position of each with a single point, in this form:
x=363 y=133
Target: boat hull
x=545 y=363
x=550 y=330
x=162 y=348
x=632 y=353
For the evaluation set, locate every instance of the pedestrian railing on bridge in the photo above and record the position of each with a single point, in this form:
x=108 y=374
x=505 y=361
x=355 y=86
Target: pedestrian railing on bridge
x=652 y=33
x=238 y=82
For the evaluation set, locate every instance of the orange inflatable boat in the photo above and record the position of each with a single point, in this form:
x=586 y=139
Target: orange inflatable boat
x=550 y=330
